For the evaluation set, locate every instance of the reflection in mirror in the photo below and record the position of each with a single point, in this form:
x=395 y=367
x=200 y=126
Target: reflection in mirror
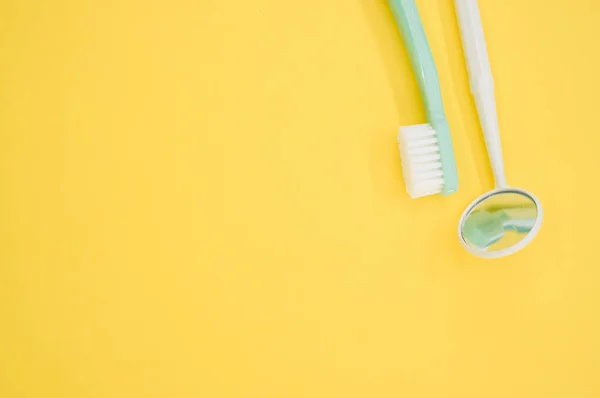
x=499 y=221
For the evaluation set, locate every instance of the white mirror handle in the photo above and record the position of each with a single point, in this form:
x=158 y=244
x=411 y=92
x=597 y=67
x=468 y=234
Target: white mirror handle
x=481 y=81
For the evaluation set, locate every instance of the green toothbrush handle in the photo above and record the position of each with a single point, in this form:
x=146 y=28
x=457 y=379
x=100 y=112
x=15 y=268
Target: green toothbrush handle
x=409 y=22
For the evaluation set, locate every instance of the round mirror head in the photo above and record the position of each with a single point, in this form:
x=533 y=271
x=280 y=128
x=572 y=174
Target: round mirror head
x=500 y=223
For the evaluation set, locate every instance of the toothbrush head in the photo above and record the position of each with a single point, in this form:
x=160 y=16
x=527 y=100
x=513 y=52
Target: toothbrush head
x=427 y=161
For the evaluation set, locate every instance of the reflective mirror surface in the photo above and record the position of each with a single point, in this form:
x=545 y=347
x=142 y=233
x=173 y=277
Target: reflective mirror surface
x=500 y=223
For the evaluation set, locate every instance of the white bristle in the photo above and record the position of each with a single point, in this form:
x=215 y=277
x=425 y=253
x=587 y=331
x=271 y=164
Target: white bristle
x=421 y=164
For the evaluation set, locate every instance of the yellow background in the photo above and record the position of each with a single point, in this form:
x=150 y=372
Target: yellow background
x=203 y=198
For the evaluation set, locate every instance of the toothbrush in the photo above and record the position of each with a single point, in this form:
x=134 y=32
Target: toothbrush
x=426 y=150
